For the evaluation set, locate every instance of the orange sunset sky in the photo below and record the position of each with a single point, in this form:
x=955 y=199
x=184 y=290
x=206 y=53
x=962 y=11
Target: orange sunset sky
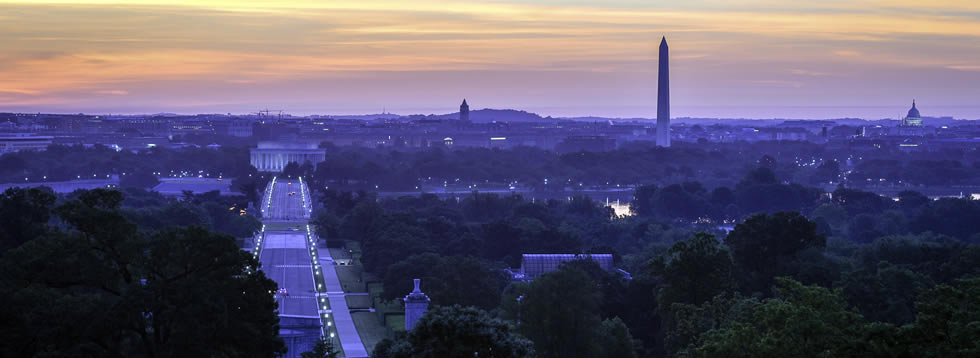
x=751 y=58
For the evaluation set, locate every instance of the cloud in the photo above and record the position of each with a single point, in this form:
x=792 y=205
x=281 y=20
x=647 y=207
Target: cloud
x=75 y=51
x=964 y=67
x=113 y=92
x=802 y=72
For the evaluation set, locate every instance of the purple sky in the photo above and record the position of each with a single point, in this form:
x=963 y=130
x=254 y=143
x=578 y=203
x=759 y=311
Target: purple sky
x=751 y=59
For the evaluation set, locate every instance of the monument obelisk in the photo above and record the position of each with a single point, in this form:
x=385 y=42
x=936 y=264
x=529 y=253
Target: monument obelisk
x=663 y=97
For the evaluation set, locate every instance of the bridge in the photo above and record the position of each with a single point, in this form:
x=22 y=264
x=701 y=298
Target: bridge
x=311 y=303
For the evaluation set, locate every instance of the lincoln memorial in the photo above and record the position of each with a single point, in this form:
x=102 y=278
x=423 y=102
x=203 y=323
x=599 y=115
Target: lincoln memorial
x=273 y=156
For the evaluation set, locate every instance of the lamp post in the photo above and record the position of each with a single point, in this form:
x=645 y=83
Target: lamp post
x=519 y=298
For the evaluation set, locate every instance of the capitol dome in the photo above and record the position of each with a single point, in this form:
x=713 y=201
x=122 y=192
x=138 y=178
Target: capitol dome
x=914 y=112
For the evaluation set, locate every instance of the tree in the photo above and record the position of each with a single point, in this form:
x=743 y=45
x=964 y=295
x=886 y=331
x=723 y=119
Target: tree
x=291 y=170
x=828 y=171
x=559 y=313
x=249 y=186
x=800 y=321
x=694 y=271
x=615 y=340
x=766 y=246
x=457 y=332
x=459 y=280
x=886 y=293
x=24 y=215
x=322 y=349
x=103 y=287
x=676 y=201
x=948 y=320
x=641 y=204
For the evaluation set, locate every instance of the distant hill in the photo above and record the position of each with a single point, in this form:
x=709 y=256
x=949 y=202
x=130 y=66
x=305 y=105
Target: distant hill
x=500 y=115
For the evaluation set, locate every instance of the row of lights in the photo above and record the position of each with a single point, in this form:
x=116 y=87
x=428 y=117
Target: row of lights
x=269 y=189
x=303 y=192
x=258 y=243
x=317 y=271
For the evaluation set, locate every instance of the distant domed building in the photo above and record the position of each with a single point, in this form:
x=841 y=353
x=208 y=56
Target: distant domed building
x=913 y=118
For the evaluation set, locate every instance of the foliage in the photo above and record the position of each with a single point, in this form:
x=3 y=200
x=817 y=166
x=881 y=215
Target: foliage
x=104 y=287
x=765 y=246
x=24 y=215
x=457 y=332
x=560 y=314
x=799 y=321
x=322 y=349
x=694 y=271
x=62 y=162
x=452 y=280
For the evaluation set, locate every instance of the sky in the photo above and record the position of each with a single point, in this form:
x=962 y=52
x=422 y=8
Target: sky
x=729 y=59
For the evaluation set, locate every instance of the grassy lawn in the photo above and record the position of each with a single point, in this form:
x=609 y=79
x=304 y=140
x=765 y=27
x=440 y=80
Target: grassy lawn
x=338 y=253
x=355 y=247
x=359 y=301
x=350 y=278
x=375 y=288
x=396 y=323
x=370 y=329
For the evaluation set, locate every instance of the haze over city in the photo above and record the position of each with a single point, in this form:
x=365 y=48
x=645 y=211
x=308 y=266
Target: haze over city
x=747 y=59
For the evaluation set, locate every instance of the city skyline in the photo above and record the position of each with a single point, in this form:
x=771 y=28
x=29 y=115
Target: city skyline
x=757 y=59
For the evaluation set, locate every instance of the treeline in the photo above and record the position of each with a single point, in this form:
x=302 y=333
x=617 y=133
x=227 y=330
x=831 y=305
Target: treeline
x=823 y=285
x=854 y=214
x=64 y=162
x=90 y=275
x=353 y=168
x=713 y=164
x=152 y=211
x=758 y=192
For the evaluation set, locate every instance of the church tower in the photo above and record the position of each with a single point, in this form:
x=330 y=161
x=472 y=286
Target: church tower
x=464 y=111
x=663 y=97
x=416 y=303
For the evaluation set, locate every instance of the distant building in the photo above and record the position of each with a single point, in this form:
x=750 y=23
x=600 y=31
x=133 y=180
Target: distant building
x=233 y=127
x=534 y=265
x=10 y=143
x=913 y=118
x=416 y=304
x=148 y=126
x=912 y=124
x=273 y=156
x=663 y=97
x=191 y=126
x=464 y=111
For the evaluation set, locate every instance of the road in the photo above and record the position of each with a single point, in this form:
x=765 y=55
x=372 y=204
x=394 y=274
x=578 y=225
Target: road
x=287 y=202
x=287 y=258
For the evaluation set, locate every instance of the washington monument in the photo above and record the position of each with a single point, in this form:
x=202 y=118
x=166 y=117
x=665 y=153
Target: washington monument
x=663 y=98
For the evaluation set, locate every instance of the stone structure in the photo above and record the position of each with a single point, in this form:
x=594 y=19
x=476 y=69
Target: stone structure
x=913 y=118
x=10 y=143
x=663 y=97
x=416 y=304
x=273 y=156
x=464 y=111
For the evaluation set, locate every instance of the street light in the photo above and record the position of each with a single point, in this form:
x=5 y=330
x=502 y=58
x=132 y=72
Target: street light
x=519 y=298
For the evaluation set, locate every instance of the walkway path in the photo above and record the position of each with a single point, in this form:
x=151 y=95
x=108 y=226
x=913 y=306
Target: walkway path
x=349 y=339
